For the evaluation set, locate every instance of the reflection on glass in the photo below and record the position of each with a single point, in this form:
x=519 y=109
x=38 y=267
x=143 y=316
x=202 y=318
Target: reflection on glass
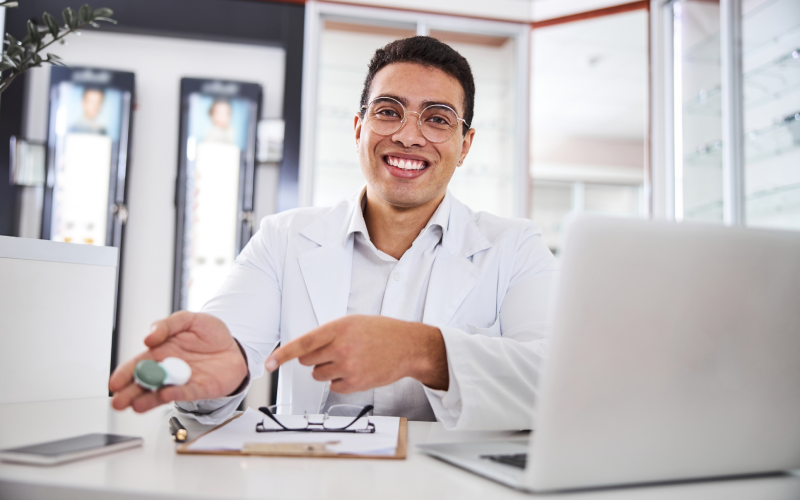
x=771 y=66
x=217 y=137
x=698 y=113
x=87 y=127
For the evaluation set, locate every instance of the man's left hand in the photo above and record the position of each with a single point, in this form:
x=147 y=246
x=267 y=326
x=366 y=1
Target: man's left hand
x=358 y=352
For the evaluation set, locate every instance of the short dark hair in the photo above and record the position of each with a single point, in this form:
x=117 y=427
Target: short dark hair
x=428 y=52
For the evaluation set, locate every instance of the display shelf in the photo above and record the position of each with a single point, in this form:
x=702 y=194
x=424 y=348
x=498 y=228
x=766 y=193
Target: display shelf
x=767 y=201
x=777 y=139
x=763 y=84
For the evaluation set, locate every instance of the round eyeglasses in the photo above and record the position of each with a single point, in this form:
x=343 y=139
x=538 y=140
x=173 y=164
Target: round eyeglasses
x=437 y=122
x=338 y=418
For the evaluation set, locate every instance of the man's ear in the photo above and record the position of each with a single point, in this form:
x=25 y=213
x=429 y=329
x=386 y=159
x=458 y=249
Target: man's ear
x=466 y=142
x=357 y=127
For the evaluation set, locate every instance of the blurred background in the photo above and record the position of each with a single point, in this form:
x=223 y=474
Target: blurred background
x=171 y=134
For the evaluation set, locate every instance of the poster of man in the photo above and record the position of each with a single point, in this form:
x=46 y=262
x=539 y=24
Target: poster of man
x=218 y=128
x=88 y=122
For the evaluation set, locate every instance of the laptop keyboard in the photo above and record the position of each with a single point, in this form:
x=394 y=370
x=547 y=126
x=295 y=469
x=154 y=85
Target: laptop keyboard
x=515 y=460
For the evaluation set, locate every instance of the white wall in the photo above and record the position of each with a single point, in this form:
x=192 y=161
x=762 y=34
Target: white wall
x=159 y=63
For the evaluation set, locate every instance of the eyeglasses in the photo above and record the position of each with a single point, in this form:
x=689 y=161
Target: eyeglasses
x=437 y=122
x=333 y=420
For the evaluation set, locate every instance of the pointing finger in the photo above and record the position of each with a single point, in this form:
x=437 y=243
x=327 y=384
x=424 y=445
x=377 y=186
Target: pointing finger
x=309 y=342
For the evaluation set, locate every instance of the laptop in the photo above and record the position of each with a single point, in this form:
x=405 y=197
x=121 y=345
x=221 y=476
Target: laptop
x=675 y=355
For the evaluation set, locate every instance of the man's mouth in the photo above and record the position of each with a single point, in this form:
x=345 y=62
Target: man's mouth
x=405 y=163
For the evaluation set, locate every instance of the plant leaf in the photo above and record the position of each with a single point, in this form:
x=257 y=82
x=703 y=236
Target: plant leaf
x=9 y=62
x=70 y=18
x=103 y=12
x=33 y=32
x=54 y=59
x=9 y=4
x=85 y=14
x=106 y=19
x=51 y=24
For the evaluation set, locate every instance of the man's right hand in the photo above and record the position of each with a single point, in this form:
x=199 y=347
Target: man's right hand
x=201 y=340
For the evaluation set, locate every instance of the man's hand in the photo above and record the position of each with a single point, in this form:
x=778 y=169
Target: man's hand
x=201 y=340
x=357 y=353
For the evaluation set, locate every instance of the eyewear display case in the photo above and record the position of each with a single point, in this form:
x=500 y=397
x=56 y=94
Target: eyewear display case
x=214 y=191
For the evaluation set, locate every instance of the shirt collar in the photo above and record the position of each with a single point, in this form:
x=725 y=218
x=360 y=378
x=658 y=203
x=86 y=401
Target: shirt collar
x=440 y=217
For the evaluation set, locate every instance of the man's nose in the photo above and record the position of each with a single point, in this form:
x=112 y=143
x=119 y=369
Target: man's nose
x=409 y=134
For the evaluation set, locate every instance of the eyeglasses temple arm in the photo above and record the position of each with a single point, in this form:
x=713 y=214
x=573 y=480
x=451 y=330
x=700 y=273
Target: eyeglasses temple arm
x=265 y=411
x=363 y=412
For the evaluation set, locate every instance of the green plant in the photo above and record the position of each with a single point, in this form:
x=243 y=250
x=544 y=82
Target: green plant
x=21 y=55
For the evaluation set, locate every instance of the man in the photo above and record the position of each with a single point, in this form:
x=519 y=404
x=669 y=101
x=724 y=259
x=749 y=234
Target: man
x=90 y=122
x=400 y=297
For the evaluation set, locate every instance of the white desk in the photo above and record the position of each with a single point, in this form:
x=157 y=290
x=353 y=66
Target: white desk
x=156 y=471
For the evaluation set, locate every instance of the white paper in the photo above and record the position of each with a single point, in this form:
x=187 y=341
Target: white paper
x=235 y=434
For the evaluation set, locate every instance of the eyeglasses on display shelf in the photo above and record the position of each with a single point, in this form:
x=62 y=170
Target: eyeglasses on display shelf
x=286 y=418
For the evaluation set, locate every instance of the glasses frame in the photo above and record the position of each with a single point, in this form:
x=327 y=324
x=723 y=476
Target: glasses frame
x=317 y=426
x=419 y=118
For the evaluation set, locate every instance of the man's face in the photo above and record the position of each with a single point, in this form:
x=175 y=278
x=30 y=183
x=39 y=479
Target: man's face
x=221 y=114
x=92 y=103
x=417 y=87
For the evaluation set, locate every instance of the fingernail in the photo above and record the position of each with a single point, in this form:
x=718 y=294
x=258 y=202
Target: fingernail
x=272 y=365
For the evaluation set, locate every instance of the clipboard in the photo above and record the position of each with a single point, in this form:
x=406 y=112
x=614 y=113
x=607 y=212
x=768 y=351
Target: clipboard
x=306 y=450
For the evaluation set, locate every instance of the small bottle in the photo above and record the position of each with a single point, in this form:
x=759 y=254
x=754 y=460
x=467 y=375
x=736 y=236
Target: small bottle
x=153 y=375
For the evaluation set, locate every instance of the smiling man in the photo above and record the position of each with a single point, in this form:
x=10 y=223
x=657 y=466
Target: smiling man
x=398 y=297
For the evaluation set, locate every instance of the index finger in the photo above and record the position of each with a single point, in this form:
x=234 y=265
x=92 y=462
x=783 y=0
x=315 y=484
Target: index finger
x=309 y=342
x=173 y=324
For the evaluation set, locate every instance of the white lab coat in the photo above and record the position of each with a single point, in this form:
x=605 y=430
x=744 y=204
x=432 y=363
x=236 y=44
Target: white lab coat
x=488 y=294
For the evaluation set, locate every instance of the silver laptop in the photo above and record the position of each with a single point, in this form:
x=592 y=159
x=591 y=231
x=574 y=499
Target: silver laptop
x=675 y=355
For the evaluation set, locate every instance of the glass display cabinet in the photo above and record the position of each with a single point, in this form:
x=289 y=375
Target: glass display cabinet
x=753 y=88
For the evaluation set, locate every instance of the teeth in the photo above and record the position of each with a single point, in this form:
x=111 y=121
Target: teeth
x=405 y=164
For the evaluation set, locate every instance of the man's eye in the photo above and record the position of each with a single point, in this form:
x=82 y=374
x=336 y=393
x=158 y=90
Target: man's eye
x=439 y=120
x=387 y=113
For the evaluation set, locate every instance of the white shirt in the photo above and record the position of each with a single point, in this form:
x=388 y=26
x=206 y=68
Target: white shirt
x=382 y=285
x=488 y=290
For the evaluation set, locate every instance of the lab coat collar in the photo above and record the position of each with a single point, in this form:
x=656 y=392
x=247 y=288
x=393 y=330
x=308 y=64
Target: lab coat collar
x=460 y=233
x=439 y=218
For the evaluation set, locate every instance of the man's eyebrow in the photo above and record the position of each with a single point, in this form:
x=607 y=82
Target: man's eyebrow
x=425 y=104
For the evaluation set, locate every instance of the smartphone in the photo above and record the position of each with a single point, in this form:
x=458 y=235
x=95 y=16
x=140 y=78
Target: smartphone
x=66 y=450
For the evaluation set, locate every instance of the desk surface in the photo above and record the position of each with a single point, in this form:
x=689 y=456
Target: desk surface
x=156 y=471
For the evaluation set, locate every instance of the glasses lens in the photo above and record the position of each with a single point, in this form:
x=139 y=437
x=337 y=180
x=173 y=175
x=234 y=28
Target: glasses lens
x=439 y=123
x=340 y=416
x=385 y=116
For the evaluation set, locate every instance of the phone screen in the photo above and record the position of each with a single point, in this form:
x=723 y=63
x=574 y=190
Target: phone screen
x=72 y=445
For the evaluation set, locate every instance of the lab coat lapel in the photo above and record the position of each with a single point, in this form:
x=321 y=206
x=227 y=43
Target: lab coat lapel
x=327 y=269
x=326 y=272
x=453 y=274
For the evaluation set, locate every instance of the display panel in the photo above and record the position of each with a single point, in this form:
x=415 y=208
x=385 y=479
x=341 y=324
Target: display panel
x=698 y=111
x=771 y=83
x=215 y=184
x=90 y=113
